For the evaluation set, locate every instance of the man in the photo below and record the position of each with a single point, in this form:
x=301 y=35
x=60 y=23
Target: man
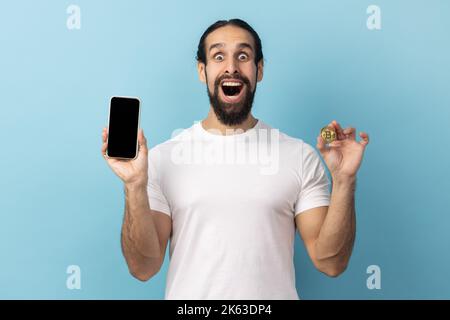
x=231 y=223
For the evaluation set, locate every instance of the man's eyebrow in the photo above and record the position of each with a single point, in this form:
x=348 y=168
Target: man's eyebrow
x=216 y=45
x=245 y=45
x=221 y=44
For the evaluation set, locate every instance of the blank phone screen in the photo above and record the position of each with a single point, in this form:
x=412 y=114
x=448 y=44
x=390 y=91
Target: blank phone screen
x=123 y=126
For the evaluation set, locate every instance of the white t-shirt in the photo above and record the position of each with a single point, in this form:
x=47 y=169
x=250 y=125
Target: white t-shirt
x=232 y=200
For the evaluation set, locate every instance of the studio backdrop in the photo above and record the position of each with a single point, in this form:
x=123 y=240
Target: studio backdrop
x=380 y=66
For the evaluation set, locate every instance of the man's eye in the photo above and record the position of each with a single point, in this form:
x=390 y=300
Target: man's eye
x=243 y=56
x=218 y=57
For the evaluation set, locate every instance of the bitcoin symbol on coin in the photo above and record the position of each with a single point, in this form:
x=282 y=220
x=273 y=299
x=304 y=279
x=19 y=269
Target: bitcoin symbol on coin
x=328 y=134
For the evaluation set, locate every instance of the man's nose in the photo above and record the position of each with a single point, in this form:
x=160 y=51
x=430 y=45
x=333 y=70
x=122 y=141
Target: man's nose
x=232 y=66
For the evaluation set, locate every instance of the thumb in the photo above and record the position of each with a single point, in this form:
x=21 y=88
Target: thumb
x=320 y=144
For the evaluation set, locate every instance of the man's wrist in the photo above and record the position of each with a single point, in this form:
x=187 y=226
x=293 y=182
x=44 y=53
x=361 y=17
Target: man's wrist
x=136 y=185
x=344 y=181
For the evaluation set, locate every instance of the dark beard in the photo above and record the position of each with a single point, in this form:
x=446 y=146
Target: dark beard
x=231 y=113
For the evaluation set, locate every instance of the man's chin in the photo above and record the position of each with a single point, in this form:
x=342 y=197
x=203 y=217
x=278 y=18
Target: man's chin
x=231 y=107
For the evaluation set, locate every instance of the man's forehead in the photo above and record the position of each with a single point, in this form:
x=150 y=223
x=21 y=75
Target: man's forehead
x=229 y=36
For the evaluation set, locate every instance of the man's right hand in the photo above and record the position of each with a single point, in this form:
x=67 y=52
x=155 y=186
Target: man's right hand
x=131 y=172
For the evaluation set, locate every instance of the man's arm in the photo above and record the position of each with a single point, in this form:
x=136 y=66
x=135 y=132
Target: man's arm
x=329 y=232
x=145 y=233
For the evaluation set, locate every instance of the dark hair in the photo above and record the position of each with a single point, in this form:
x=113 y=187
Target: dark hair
x=201 y=55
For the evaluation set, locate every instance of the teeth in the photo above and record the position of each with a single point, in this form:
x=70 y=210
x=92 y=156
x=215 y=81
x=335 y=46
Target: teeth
x=232 y=84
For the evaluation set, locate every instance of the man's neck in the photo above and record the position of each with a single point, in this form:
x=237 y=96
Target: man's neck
x=212 y=122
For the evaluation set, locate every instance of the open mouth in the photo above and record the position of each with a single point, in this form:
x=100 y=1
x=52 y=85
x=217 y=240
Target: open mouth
x=232 y=90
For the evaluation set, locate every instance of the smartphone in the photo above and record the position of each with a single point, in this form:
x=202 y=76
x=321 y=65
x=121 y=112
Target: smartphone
x=123 y=126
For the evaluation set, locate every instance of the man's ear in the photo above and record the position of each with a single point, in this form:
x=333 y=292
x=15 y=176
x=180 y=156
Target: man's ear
x=201 y=68
x=260 y=70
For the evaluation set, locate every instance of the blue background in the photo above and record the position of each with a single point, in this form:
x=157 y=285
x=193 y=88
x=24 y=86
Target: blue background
x=62 y=205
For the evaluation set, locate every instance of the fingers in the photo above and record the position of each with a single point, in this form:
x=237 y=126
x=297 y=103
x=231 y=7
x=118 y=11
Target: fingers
x=339 y=131
x=342 y=134
x=104 y=134
x=365 y=139
x=104 y=139
x=142 y=140
x=349 y=133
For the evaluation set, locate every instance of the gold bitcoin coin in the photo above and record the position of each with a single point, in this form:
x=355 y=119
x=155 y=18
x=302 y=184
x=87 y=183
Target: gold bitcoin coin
x=328 y=134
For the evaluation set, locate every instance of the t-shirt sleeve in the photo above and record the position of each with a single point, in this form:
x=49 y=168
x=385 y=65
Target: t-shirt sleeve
x=156 y=198
x=315 y=189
